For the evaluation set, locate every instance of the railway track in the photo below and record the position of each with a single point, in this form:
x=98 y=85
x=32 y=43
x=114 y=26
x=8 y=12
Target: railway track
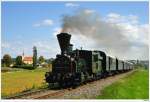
x=39 y=94
x=25 y=94
x=52 y=95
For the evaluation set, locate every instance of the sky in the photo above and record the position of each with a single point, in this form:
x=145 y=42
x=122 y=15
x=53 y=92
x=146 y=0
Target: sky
x=28 y=24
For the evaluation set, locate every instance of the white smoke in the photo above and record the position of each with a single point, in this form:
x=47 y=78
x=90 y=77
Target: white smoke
x=113 y=34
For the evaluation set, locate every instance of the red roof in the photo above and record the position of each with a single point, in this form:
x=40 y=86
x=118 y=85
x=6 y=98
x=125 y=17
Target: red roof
x=27 y=59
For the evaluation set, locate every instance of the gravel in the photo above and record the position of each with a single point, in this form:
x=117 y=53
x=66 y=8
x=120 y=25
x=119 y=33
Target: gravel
x=92 y=89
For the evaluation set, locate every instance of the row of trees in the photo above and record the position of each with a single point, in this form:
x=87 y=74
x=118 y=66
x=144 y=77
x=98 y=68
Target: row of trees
x=20 y=62
x=7 y=60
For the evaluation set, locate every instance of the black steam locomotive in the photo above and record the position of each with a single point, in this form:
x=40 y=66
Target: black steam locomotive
x=73 y=67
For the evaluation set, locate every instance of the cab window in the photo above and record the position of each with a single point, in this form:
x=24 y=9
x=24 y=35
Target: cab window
x=95 y=57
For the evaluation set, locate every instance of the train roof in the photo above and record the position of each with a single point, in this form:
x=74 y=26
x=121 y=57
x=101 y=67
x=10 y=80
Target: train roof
x=90 y=51
x=128 y=62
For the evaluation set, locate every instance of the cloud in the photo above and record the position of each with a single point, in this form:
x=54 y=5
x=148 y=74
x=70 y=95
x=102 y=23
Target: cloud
x=5 y=45
x=88 y=11
x=15 y=48
x=118 y=35
x=130 y=27
x=46 y=22
x=47 y=49
x=117 y=18
x=56 y=31
x=71 y=5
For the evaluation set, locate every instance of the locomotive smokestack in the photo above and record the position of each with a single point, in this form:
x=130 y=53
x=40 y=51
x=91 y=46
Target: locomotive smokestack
x=64 y=42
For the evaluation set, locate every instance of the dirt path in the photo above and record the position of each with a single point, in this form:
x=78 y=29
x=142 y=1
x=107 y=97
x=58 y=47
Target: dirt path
x=90 y=90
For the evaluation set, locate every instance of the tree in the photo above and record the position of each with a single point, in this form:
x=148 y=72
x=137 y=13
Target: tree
x=50 y=60
x=34 y=57
x=41 y=59
x=7 y=60
x=19 y=60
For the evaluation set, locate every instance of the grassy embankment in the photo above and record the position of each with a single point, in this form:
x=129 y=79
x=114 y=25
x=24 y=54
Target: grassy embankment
x=134 y=86
x=18 y=81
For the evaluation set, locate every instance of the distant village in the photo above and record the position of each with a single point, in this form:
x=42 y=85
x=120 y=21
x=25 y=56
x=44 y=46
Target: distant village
x=142 y=63
x=26 y=62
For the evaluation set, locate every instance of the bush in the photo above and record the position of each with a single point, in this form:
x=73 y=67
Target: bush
x=29 y=67
x=5 y=69
x=16 y=66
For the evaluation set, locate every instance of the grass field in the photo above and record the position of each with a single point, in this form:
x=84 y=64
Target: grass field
x=134 y=86
x=18 y=81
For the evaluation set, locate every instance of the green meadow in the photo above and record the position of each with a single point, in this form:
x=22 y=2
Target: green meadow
x=134 y=86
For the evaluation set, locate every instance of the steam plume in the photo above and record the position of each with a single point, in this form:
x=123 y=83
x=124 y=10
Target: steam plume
x=107 y=36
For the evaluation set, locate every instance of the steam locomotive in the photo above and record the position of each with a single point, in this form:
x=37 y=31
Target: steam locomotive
x=73 y=67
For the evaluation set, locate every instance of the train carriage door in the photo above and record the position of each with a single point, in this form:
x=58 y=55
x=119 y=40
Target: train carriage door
x=96 y=62
x=123 y=65
x=107 y=64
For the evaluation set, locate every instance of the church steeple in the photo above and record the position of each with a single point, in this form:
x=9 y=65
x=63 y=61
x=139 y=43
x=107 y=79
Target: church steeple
x=23 y=53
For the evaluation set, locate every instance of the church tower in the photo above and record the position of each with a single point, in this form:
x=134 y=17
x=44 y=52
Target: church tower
x=23 y=56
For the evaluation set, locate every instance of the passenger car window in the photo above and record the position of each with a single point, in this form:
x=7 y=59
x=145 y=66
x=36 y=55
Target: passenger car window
x=95 y=58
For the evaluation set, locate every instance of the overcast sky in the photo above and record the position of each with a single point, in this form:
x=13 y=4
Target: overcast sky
x=118 y=28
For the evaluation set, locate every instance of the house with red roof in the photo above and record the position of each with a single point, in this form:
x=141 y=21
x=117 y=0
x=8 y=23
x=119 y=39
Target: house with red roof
x=27 y=59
